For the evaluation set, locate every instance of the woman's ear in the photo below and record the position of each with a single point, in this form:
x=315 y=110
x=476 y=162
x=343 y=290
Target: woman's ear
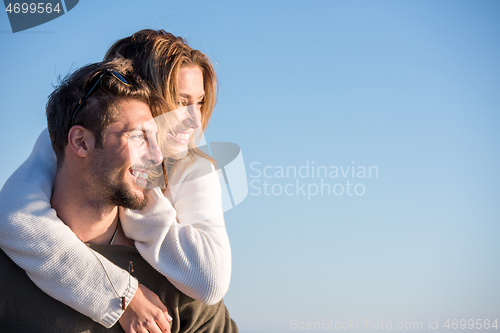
x=80 y=140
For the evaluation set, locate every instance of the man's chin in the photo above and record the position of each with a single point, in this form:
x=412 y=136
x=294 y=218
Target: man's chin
x=135 y=203
x=136 y=200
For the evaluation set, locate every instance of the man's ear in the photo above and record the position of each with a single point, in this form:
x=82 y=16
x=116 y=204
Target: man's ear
x=80 y=140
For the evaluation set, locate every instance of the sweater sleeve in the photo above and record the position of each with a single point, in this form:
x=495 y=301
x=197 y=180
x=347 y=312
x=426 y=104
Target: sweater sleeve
x=187 y=241
x=53 y=257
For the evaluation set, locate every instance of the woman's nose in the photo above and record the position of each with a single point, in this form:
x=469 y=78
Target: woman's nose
x=193 y=118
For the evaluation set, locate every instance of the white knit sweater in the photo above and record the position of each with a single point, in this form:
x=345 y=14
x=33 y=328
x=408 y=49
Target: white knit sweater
x=182 y=236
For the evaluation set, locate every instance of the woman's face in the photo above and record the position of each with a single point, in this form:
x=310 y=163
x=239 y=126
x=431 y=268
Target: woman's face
x=184 y=121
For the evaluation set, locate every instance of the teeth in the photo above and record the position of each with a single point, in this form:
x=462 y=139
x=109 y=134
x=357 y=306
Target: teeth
x=139 y=174
x=182 y=136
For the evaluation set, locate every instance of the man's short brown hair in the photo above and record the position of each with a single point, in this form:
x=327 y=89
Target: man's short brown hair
x=99 y=109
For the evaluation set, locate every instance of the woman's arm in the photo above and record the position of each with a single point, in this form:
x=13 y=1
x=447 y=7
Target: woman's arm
x=187 y=241
x=55 y=259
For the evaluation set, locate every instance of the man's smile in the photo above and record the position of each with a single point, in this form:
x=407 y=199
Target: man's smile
x=140 y=176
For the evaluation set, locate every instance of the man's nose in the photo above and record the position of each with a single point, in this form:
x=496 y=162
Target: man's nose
x=193 y=118
x=155 y=156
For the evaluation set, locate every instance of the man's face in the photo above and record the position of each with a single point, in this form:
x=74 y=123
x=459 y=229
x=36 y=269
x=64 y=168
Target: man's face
x=130 y=151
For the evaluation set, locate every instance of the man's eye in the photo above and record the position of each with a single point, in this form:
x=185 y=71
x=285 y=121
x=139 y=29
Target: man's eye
x=137 y=137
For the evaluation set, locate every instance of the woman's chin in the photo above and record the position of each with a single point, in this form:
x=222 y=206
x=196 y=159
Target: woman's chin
x=176 y=155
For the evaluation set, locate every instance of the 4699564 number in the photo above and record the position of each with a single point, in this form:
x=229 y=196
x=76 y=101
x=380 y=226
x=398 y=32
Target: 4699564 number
x=471 y=324
x=32 y=8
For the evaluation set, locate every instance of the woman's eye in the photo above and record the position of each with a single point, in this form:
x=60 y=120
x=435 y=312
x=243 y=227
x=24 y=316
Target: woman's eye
x=183 y=103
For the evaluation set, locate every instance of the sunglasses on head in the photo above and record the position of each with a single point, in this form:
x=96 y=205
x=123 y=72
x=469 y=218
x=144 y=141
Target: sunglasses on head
x=116 y=74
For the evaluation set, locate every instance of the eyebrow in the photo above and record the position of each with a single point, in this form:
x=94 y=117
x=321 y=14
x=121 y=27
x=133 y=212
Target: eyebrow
x=142 y=129
x=148 y=131
x=187 y=96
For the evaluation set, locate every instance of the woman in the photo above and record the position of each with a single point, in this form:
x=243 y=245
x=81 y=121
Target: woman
x=185 y=238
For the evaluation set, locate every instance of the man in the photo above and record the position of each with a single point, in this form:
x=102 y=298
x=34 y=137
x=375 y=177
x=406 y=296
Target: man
x=103 y=162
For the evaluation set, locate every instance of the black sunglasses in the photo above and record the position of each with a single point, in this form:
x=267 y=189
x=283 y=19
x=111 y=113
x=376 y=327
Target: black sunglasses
x=119 y=76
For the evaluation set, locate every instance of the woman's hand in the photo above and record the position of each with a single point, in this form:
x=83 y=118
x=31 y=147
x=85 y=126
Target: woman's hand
x=145 y=313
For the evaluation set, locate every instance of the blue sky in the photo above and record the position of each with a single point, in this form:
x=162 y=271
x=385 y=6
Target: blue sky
x=408 y=87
